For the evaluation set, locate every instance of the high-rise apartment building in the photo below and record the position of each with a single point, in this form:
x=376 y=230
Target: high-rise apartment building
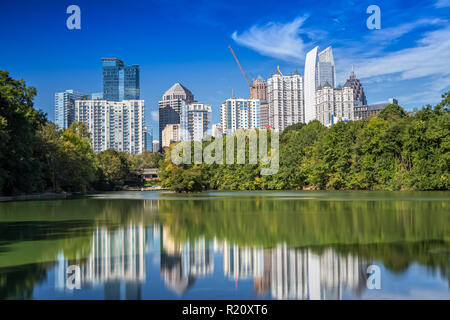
x=65 y=107
x=285 y=97
x=120 y=82
x=264 y=115
x=194 y=120
x=115 y=125
x=359 y=96
x=238 y=114
x=319 y=69
x=170 y=106
x=334 y=104
x=148 y=138
x=170 y=134
x=259 y=89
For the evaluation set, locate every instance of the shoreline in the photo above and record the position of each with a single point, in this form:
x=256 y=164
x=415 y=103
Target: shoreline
x=73 y=195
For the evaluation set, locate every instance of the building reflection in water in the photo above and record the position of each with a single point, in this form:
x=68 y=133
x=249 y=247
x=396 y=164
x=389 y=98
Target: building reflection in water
x=182 y=263
x=117 y=260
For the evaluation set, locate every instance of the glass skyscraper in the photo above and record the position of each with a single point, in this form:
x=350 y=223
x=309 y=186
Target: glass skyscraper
x=319 y=69
x=65 y=107
x=120 y=82
x=148 y=133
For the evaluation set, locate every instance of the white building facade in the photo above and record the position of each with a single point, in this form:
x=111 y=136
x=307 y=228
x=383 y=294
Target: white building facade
x=194 y=120
x=117 y=125
x=334 y=104
x=285 y=97
x=238 y=114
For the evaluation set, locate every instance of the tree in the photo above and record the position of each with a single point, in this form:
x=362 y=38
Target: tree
x=21 y=171
x=113 y=169
x=145 y=160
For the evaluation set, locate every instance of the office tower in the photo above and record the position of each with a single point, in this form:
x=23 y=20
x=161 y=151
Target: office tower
x=238 y=114
x=264 y=119
x=285 y=98
x=194 y=120
x=65 y=107
x=170 y=106
x=148 y=138
x=217 y=131
x=326 y=70
x=334 y=104
x=359 y=96
x=260 y=90
x=155 y=146
x=113 y=124
x=120 y=82
x=170 y=134
x=319 y=69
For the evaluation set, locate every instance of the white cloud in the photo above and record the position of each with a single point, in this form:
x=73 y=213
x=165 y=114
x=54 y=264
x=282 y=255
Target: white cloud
x=431 y=56
x=155 y=116
x=276 y=40
x=442 y=4
x=389 y=34
x=427 y=59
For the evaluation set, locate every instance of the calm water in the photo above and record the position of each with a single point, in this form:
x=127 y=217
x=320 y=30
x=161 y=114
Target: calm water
x=236 y=245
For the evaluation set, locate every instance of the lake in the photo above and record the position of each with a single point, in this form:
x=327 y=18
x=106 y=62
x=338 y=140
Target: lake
x=228 y=245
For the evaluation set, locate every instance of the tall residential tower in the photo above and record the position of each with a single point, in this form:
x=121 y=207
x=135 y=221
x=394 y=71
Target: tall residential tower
x=285 y=97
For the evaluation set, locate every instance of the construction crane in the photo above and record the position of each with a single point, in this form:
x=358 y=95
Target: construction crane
x=252 y=88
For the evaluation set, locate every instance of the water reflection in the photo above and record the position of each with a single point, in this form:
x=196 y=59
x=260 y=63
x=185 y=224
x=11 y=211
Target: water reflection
x=238 y=247
x=118 y=262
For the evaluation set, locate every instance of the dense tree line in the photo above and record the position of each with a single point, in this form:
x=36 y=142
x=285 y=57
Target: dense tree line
x=37 y=156
x=393 y=150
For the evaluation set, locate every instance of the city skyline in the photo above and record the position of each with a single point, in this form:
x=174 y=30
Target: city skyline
x=403 y=41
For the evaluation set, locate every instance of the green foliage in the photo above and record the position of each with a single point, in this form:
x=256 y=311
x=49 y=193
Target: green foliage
x=113 y=168
x=18 y=124
x=393 y=150
x=145 y=160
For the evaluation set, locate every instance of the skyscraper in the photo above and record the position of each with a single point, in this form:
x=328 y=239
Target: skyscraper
x=120 y=82
x=264 y=115
x=113 y=124
x=170 y=106
x=65 y=107
x=238 y=114
x=148 y=138
x=326 y=70
x=358 y=92
x=319 y=69
x=195 y=118
x=260 y=90
x=285 y=98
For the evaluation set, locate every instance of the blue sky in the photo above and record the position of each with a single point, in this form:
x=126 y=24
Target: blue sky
x=186 y=41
